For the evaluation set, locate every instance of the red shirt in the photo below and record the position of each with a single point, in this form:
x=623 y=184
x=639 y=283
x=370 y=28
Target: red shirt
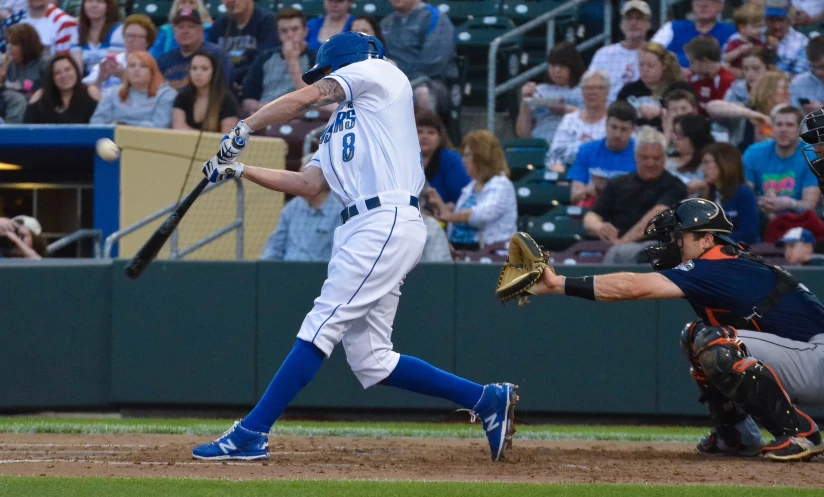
x=711 y=89
x=735 y=43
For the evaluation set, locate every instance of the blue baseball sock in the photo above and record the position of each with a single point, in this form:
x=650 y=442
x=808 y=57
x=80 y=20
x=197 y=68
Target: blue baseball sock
x=300 y=366
x=420 y=377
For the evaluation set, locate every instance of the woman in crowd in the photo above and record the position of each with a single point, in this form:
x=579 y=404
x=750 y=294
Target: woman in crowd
x=487 y=209
x=723 y=172
x=165 y=41
x=205 y=102
x=144 y=98
x=100 y=33
x=753 y=65
x=544 y=105
x=337 y=20
x=368 y=24
x=771 y=91
x=583 y=125
x=139 y=33
x=442 y=166
x=691 y=133
x=64 y=99
x=25 y=244
x=27 y=59
x=659 y=73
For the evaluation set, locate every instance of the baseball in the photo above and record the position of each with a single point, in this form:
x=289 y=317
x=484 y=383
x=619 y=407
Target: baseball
x=107 y=149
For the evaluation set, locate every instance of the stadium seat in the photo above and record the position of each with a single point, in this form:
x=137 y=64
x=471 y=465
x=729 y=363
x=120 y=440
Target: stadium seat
x=474 y=37
x=521 y=11
x=377 y=8
x=524 y=156
x=558 y=229
x=157 y=10
x=294 y=132
x=461 y=10
x=494 y=253
x=583 y=252
x=540 y=191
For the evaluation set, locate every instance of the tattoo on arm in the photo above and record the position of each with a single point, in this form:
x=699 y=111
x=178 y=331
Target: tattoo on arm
x=329 y=91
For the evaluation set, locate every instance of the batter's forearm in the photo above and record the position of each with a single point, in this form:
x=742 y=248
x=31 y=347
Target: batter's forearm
x=290 y=182
x=291 y=105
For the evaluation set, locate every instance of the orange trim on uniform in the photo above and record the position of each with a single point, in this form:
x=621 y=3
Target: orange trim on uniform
x=711 y=316
x=716 y=254
x=768 y=448
x=812 y=424
x=743 y=364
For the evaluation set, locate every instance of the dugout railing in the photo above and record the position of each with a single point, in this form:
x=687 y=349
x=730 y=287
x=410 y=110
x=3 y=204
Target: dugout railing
x=175 y=252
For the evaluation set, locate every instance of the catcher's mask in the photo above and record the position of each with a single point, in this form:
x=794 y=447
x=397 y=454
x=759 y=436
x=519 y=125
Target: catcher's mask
x=811 y=133
x=693 y=215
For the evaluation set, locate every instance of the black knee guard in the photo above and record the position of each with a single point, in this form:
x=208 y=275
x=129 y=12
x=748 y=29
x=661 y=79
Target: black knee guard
x=748 y=382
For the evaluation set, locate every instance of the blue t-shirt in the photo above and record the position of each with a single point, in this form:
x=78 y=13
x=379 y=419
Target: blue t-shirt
x=314 y=26
x=769 y=172
x=742 y=209
x=451 y=176
x=243 y=45
x=684 y=31
x=717 y=285
x=595 y=157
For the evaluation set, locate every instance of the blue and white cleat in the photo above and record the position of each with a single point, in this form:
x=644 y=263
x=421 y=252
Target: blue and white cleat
x=496 y=409
x=237 y=443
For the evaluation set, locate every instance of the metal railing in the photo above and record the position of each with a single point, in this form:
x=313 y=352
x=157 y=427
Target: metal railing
x=175 y=251
x=95 y=235
x=547 y=19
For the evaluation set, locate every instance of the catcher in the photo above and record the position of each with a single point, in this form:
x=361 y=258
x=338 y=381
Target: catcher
x=755 y=350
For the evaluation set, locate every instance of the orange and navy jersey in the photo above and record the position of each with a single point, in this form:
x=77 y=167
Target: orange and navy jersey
x=723 y=289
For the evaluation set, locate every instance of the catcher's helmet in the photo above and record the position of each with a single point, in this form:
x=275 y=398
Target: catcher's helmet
x=341 y=50
x=694 y=215
x=812 y=134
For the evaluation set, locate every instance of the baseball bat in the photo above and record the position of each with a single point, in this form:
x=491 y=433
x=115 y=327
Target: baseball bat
x=149 y=251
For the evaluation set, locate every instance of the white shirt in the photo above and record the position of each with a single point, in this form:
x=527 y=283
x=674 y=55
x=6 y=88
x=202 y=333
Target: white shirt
x=621 y=65
x=813 y=8
x=571 y=134
x=91 y=79
x=494 y=210
x=371 y=144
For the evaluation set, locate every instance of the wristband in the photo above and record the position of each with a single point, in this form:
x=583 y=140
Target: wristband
x=580 y=287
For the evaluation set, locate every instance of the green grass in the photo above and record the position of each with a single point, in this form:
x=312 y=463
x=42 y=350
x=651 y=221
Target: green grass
x=83 y=487
x=210 y=427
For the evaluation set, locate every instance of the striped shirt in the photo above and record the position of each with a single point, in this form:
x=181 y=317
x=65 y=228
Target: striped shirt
x=57 y=30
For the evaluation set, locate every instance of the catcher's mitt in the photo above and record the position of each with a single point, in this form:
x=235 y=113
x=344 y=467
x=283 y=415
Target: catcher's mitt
x=525 y=266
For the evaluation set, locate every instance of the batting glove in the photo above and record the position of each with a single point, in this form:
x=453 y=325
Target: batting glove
x=233 y=144
x=217 y=172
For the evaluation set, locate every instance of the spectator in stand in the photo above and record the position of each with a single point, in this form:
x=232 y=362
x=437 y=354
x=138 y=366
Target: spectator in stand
x=808 y=12
x=64 y=99
x=660 y=74
x=677 y=103
x=691 y=133
x=610 y=156
x=676 y=34
x=788 y=44
x=278 y=71
x=205 y=103
x=243 y=31
x=486 y=210
x=749 y=23
x=620 y=60
x=799 y=248
x=436 y=248
x=143 y=99
x=544 y=105
x=100 y=33
x=337 y=20
x=139 y=33
x=188 y=30
x=12 y=104
x=24 y=236
x=444 y=170
x=723 y=172
x=305 y=229
x=807 y=89
x=710 y=80
x=421 y=41
x=10 y=7
x=770 y=92
x=583 y=125
x=753 y=65
x=629 y=201
x=165 y=41
x=368 y=24
x=27 y=60
x=57 y=30
x=778 y=171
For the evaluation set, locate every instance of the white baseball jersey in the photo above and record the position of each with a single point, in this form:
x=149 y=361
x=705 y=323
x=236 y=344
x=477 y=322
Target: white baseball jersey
x=370 y=144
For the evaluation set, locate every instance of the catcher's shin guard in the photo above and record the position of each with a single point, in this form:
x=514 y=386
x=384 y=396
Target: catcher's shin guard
x=748 y=382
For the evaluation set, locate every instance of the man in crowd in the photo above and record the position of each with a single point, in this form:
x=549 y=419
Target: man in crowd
x=778 y=171
x=278 y=71
x=710 y=80
x=807 y=89
x=607 y=157
x=788 y=43
x=620 y=60
x=629 y=201
x=799 y=248
x=57 y=30
x=187 y=26
x=674 y=35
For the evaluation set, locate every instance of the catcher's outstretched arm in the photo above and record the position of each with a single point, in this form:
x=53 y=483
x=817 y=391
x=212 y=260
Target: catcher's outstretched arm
x=617 y=286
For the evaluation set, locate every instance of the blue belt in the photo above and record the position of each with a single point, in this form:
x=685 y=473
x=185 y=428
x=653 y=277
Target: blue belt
x=371 y=203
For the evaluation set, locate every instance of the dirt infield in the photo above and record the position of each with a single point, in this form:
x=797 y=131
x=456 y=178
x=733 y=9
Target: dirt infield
x=395 y=459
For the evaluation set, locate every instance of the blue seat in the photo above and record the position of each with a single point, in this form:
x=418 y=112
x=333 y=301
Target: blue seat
x=524 y=156
x=540 y=191
x=557 y=229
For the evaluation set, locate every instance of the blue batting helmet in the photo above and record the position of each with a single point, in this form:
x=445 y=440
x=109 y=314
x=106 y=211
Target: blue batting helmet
x=341 y=50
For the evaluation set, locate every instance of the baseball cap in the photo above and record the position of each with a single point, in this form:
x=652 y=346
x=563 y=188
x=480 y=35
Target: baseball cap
x=29 y=222
x=639 y=5
x=796 y=235
x=187 y=15
x=776 y=8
